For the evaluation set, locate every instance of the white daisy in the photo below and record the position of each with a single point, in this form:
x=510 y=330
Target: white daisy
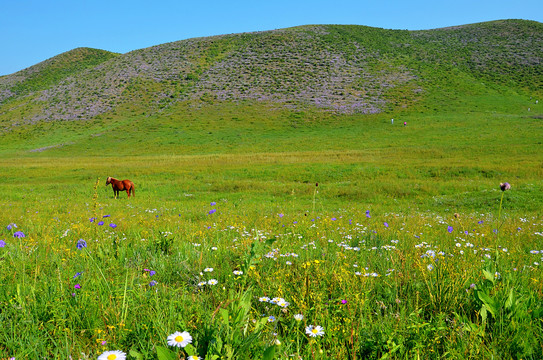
x=112 y=355
x=194 y=357
x=263 y=299
x=314 y=331
x=238 y=272
x=179 y=339
x=298 y=317
x=212 y=282
x=208 y=270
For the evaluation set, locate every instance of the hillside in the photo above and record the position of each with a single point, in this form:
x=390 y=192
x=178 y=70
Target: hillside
x=343 y=69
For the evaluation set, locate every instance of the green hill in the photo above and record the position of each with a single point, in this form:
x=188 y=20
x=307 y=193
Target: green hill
x=343 y=69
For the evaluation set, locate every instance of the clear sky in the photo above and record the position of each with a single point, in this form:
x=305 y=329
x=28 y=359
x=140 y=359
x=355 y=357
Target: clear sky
x=35 y=30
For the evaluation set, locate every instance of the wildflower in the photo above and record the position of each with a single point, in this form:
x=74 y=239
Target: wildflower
x=238 y=272
x=11 y=226
x=81 y=244
x=271 y=318
x=77 y=274
x=314 y=331
x=2 y=243
x=179 y=339
x=281 y=215
x=208 y=270
x=106 y=216
x=298 y=317
x=92 y=219
x=263 y=299
x=18 y=234
x=212 y=211
x=505 y=186
x=212 y=282
x=450 y=229
x=152 y=272
x=213 y=203
x=288 y=263
x=193 y=357
x=104 y=343
x=112 y=225
x=202 y=283
x=368 y=214
x=112 y=355
x=77 y=286
x=386 y=224
x=100 y=223
x=344 y=301
x=282 y=303
x=430 y=267
x=214 y=248
x=152 y=283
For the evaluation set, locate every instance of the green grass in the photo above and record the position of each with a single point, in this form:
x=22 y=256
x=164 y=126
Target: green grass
x=261 y=168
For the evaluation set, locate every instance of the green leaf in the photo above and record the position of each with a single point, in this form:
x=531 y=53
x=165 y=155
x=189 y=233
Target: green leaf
x=165 y=353
x=269 y=353
x=489 y=276
x=190 y=350
x=509 y=301
x=135 y=354
x=489 y=302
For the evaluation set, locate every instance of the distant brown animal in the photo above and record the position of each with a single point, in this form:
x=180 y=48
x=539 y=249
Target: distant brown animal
x=119 y=185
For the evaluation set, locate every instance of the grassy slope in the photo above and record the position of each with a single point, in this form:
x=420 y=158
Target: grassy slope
x=466 y=132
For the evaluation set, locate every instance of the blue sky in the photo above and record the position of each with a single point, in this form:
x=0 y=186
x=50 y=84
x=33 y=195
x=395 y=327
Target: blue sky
x=35 y=30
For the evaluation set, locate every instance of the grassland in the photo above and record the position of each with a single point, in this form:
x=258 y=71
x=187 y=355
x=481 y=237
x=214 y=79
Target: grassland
x=405 y=249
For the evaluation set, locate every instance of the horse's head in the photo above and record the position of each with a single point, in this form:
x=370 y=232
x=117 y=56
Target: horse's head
x=108 y=180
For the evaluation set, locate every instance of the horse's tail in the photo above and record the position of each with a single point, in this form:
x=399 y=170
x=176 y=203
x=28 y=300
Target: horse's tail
x=133 y=190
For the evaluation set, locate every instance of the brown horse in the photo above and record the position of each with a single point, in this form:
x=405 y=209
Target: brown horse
x=119 y=185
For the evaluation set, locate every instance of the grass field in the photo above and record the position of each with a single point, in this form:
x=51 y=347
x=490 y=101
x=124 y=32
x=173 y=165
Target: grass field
x=406 y=249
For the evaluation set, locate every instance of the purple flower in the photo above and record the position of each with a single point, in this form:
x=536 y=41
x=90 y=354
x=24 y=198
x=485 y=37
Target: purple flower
x=480 y=222
x=386 y=224
x=2 y=243
x=105 y=216
x=81 y=244
x=368 y=214
x=101 y=223
x=152 y=272
x=77 y=274
x=505 y=186
x=334 y=219
x=112 y=225
x=344 y=301
x=152 y=283
x=213 y=203
x=281 y=215
x=92 y=219
x=11 y=226
x=77 y=286
x=212 y=211
x=18 y=234
x=450 y=229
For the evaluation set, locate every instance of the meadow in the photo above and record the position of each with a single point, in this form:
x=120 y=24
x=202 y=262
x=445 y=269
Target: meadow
x=266 y=233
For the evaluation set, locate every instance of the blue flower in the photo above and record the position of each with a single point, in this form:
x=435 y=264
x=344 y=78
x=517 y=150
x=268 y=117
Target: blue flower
x=101 y=223
x=2 y=243
x=112 y=225
x=212 y=211
x=152 y=283
x=18 y=234
x=213 y=203
x=450 y=229
x=77 y=274
x=11 y=226
x=386 y=224
x=81 y=244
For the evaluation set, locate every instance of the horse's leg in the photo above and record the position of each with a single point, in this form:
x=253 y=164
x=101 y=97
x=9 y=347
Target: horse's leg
x=128 y=193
